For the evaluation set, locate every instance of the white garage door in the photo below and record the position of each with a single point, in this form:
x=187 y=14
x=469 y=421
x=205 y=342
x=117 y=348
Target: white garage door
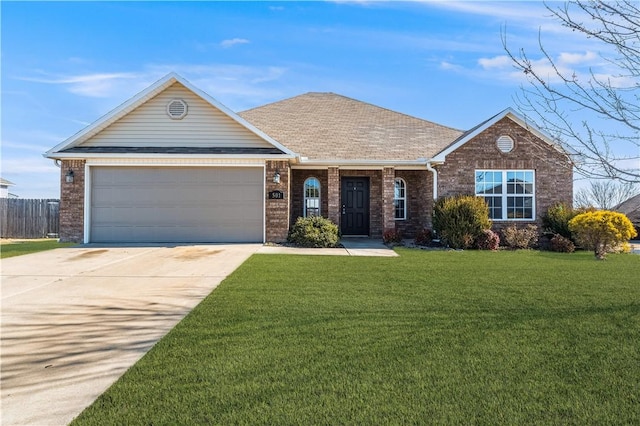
x=176 y=204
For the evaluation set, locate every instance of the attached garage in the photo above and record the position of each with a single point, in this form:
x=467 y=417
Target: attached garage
x=172 y=165
x=176 y=204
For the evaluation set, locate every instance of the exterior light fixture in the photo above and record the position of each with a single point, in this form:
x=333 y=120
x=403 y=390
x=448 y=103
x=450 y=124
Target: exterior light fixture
x=69 y=176
x=276 y=177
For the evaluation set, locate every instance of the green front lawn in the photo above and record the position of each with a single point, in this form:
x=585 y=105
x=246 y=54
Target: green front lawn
x=27 y=247
x=430 y=337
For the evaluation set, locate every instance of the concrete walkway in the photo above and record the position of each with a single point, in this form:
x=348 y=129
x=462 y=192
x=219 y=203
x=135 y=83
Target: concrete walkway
x=75 y=319
x=350 y=247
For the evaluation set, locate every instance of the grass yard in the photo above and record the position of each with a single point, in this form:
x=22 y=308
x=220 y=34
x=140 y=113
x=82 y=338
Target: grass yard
x=18 y=248
x=442 y=337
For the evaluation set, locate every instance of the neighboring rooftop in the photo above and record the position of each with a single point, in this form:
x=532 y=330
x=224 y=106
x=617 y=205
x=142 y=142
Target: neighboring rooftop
x=5 y=182
x=631 y=209
x=327 y=126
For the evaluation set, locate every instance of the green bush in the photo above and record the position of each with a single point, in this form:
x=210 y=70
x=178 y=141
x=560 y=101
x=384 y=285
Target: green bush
x=520 y=238
x=315 y=231
x=460 y=220
x=602 y=231
x=556 y=220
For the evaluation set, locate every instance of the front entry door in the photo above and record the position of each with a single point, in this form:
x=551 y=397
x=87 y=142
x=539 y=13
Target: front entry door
x=355 y=206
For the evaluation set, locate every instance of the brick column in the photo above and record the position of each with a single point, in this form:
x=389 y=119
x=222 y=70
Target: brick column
x=72 y=202
x=388 y=190
x=333 y=195
x=277 y=211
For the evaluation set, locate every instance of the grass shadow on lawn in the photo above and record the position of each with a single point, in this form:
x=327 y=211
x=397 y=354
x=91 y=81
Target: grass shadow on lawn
x=428 y=337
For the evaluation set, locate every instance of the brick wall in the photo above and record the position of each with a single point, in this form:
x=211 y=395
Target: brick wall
x=334 y=208
x=277 y=211
x=553 y=170
x=297 y=191
x=72 y=202
x=388 y=191
x=419 y=192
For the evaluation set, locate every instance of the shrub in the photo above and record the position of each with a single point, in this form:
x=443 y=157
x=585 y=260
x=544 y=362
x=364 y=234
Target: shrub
x=392 y=236
x=315 y=231
x=460 y=220
x=520 y=238
x=423 y=237
x=602 y=231
x=556 y=220
x=561 y=244
x=487 y=240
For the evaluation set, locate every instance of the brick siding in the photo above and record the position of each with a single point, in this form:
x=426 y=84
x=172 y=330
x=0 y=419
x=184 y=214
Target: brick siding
x=388 y=191
x=72 y=202
x=553 y=170
x=277 y=211
x=297 y=192
x=419 y=193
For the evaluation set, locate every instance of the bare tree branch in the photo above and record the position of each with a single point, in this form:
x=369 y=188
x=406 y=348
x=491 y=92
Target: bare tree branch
x=595 y=115
x=605 y=194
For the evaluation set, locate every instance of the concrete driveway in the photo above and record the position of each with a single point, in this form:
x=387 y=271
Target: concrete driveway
x=75 y=319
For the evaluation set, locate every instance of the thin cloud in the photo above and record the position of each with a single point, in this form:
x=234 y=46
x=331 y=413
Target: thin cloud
x=23 y=146
x=578 y=65
x=240 y=83
x=27 y=165
x=520 y=11
x=445 y=65
x=577 y=58
x=499 y=62
x=97 y=85
x=225 y=44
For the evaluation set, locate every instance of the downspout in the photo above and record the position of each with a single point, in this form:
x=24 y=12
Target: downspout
x=435 y=180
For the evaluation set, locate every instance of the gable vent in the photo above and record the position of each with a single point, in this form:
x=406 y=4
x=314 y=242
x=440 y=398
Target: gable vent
x=177 y=109
x=505 y=143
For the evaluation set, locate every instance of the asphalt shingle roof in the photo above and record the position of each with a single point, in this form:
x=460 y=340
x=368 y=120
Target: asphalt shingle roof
x=631 y=208
x=327 y=126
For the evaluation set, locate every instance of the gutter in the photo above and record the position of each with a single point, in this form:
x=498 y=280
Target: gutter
x=303 y=161
x=85 y=156
x=435 y=179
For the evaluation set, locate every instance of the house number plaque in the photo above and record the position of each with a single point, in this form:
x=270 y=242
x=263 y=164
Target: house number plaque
x=276 y=195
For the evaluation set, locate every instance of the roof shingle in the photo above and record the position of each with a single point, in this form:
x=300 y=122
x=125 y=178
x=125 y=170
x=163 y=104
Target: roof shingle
x=327 y=126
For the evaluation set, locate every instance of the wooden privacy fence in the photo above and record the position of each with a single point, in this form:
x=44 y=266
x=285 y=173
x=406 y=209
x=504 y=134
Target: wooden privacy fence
x=22 y=218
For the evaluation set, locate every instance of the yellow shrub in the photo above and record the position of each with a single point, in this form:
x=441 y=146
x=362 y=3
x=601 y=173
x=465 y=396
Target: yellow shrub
x=601 y=231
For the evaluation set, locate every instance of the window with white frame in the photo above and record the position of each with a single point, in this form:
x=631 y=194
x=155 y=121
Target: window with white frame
x=510 y=194
x=400 y=199
x=311 y=197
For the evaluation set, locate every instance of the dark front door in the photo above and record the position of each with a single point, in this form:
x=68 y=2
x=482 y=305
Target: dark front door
x=355 y=206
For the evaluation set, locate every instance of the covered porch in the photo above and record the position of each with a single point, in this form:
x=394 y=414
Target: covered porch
x=364 y=201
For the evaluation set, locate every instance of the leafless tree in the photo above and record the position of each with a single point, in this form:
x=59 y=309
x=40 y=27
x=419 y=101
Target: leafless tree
x=596 y=116
x=605 y=194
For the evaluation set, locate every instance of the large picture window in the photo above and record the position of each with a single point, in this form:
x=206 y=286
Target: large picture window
x=400 y=199
x=311 y=197
x=510 y=194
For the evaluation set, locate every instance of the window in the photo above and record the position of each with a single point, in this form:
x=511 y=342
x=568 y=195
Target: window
x=400 y=199
x=311 y=197
x=509 y=194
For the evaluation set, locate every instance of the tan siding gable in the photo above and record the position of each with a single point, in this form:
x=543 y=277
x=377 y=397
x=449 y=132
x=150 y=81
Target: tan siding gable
x=203 y=126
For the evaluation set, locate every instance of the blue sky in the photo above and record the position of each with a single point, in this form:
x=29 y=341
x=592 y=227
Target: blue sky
x=64 y=65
